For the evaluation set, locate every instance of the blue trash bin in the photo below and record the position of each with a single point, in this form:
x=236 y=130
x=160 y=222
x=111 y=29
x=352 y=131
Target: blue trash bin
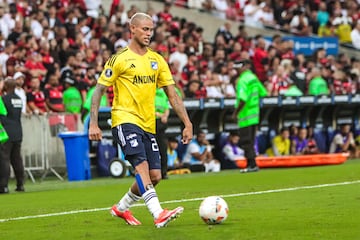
x=77 y=155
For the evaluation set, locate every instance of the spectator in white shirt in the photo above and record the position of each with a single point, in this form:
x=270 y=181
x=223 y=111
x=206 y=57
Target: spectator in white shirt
x=4 y=56
x=179 y=55
x=220 y=7
x=355 y=35
x=250 y=11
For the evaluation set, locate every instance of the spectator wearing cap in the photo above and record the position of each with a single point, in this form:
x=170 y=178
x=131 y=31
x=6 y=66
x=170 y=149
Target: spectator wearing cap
x=87 y=103
x=72 y=97
x=19 y=78
x=249 y=90
x=342 y=26
x=36 y=98
x=355 y=35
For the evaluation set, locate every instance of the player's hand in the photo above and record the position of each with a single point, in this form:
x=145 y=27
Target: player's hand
x=95 y=133
x=187 y=135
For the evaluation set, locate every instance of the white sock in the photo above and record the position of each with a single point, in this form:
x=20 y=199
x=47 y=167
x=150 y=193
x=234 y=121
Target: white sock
x=127 y=200
x=152 y=202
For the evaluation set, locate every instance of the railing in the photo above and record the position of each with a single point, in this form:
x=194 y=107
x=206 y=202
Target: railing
x=42 y=150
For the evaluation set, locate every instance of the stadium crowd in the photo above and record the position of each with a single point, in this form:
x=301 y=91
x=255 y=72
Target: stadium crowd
x=56 y=49
x=301 y=17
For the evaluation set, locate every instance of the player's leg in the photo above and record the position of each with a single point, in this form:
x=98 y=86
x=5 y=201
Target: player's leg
x=163 y=217
x=121 y=209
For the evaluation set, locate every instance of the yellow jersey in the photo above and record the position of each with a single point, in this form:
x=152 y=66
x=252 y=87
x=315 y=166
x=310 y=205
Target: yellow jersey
x=134 y=79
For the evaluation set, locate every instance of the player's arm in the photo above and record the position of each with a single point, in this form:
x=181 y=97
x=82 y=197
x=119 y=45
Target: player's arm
x=178 y=105
x=94 y=130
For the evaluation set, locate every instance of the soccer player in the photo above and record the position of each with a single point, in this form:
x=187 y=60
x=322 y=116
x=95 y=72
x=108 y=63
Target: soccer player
x=135 y=71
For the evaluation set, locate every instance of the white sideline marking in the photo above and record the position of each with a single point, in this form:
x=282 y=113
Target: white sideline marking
x=184 y=200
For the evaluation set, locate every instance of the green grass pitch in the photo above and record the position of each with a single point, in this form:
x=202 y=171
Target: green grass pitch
x=273 y=204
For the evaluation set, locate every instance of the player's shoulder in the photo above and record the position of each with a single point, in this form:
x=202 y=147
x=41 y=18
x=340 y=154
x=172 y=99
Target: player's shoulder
x=154 y=53
x=117 y=56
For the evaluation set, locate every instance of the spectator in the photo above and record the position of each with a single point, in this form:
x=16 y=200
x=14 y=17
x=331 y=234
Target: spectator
x=52 y=18
x=299 y=24
x=342 y=24
x=35 y=66
x=89 y=94
x=343 y=141
x=312 y=147
x=250 y=11
x=299 y=144
x=199 y=157
x=71 y=97
x=265 y=16
x=195 y=88
x=4 y=56
x=355 y=35
x=219 y=8
x=317 y=85
x=298 y=76
x=36 y=98
x=323 y=16
x=180 y=56
x=172 y=154
x=280 y=144
x=225 y=31
x=279 y=82
x=260 y=59
x=15 y=62
x=231 y=151
x=54 y=96
x=19 y=78
x=214 y=82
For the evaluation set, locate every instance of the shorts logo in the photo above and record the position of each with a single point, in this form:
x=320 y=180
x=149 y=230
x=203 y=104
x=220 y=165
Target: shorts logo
x=134 y=143
x=132 y=135
x=154 y=65
x=108 y=72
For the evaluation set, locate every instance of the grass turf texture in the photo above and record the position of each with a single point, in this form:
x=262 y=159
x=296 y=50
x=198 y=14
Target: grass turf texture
x=331 y=212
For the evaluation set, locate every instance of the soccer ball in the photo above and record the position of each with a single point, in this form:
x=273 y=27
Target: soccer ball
x=213 y=210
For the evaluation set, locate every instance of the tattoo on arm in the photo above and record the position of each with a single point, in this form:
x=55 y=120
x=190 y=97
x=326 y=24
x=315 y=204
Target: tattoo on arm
x=95 y=102
x=177 y=104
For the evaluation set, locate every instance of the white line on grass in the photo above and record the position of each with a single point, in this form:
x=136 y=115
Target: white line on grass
x=185 y=200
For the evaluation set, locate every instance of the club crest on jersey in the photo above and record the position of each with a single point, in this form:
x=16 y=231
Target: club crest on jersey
x=108 y=72
x=134 y=143
x=154 y=65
